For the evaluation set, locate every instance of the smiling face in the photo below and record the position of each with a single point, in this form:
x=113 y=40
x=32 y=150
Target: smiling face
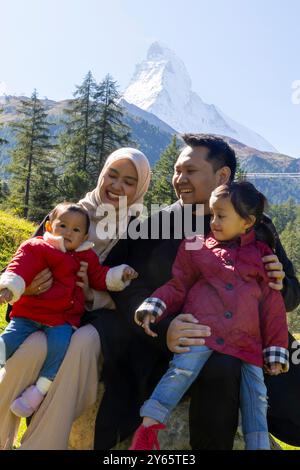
x=70 y=225
x=226 y=223
x=194 y=177
x=120 y=179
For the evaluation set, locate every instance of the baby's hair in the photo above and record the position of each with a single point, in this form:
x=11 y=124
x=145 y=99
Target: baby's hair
x=70 y=207
x=247 y=201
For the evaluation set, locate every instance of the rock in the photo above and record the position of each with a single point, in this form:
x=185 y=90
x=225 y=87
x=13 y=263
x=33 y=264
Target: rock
x=176 y=437
x=82 y=433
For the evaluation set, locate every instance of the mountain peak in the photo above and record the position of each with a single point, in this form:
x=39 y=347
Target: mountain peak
x=159 y=51
x=160 y=78
x=162 y=86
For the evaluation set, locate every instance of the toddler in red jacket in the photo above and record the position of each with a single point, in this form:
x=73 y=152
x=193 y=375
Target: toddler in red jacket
x=224 y=285
x=63 y=249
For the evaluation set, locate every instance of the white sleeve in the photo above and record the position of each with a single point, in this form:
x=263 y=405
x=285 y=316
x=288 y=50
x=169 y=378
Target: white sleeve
x=114 y=278
x=14 y=283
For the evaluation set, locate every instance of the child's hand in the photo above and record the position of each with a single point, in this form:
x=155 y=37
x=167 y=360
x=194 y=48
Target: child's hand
x=148 y=318
x=129 y=274
x=273 y=369
x=143 y=319
x=5 y=296
x=84 y=283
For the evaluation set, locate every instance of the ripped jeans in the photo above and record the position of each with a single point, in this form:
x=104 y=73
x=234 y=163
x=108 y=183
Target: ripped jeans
x=184 y=369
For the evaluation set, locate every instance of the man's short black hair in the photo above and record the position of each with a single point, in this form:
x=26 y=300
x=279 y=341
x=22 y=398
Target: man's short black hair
x=220 y=153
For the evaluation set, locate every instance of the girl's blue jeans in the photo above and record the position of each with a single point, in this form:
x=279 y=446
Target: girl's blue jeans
x=58 y=340
x=183 y=370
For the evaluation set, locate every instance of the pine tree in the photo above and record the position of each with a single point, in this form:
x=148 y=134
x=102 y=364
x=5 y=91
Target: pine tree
x=77 y=142
x=2 y=141
x=78 y=137
x=72 y=185
x=44 y=193
x=4 y=191
x=283 y=214
x=94 y=127
x=31 y=164
x=3 y=184
x=111 y=131
x=290 y=238
x=240 y=174
x=161 y=190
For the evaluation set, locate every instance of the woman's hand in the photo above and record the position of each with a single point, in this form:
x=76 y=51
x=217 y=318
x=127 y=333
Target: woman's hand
x=185 y=331
x=84 y=283
x=41 y=283
x=274 y=270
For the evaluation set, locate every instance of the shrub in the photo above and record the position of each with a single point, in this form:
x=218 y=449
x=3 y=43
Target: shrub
x=13 y=231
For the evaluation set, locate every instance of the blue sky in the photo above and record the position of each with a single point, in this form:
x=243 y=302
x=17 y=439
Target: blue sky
x=242 y=55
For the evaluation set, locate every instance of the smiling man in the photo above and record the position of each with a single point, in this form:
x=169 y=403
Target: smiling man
x=205 y=163
x=199 y=170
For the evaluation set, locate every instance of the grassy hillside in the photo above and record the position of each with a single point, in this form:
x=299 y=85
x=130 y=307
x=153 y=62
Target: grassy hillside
x=13 y=231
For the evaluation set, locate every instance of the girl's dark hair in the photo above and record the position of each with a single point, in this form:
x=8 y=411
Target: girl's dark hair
x=247 y=201
x=70 y=206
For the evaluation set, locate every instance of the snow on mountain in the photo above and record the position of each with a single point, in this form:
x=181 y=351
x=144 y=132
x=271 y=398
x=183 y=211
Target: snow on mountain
x=161 y=85
x=3 y=88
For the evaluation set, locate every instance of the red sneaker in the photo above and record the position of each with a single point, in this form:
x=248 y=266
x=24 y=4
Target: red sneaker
x=145 y=438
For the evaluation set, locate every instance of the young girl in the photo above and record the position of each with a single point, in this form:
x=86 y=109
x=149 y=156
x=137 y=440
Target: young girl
x=225 y=286
x=62 y=249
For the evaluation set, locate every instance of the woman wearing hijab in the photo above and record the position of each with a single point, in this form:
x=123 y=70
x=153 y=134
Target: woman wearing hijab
x=126 y=173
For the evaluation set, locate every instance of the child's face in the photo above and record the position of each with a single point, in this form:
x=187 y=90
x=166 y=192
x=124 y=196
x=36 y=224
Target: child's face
x=226 y=223
x=71 y=226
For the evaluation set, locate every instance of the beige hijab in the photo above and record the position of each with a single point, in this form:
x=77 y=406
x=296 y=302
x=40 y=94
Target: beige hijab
x=92 y=200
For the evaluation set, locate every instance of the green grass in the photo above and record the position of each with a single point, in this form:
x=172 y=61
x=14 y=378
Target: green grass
x=2 y=317
x=13 y=231
x=286 y=446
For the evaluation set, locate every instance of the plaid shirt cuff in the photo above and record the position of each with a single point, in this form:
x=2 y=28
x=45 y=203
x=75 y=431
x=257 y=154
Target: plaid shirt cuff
x=152 y=305
x=277 y=354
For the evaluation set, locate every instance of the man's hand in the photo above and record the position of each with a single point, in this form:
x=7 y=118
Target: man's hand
x=129 y=274
x=41 y=283
x=273 y=369
x=274 y=270
x=5 y=296
x=185 y=331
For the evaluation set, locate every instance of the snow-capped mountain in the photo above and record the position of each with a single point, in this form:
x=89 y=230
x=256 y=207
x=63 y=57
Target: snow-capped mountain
x=161 y=85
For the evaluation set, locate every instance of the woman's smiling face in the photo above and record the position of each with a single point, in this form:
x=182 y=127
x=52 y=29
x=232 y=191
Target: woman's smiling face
x=120 y=179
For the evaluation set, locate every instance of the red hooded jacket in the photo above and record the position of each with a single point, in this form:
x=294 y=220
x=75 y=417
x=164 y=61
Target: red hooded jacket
x=64 y=301
x=225 y=286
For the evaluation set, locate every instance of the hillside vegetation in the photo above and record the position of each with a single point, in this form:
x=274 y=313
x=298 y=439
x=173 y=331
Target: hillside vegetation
x=13 y=231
